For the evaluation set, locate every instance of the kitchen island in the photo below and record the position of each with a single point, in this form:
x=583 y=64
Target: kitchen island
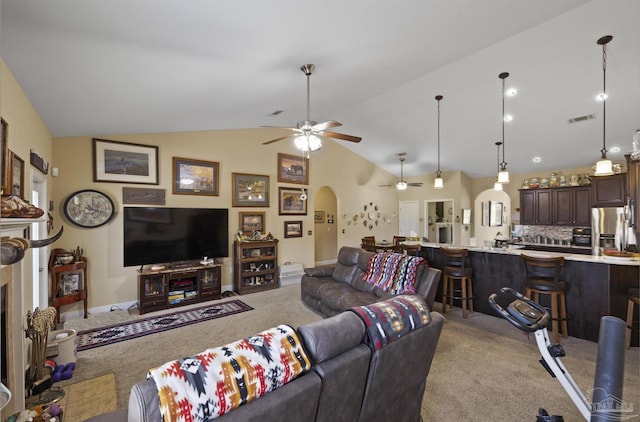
x=596 y=285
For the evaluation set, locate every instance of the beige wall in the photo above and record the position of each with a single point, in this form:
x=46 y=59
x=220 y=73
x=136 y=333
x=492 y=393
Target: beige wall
x=26 y=131
x=325 y=233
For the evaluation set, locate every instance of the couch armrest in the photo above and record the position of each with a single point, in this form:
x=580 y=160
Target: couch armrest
x=324 y=271
x=429 y=285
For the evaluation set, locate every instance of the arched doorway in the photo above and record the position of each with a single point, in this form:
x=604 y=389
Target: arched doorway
x=325 y=226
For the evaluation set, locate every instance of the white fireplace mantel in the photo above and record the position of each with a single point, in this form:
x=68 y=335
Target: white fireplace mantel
x=14 y=227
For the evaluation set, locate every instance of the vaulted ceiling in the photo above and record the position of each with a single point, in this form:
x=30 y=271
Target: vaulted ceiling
x=94 y=67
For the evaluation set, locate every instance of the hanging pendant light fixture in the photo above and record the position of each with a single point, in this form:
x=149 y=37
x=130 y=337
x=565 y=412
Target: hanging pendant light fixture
x=503 y=174
x=604 y=167
x=438 y=183
x=497 y=185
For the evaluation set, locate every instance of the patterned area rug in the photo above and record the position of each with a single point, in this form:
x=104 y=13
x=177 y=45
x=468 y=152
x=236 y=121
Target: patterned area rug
x=102 y=336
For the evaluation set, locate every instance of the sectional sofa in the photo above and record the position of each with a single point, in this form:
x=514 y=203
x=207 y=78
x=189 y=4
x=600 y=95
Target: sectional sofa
x=354 y=374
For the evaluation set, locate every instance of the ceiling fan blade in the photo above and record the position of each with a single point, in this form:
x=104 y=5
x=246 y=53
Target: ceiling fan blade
x=277 y=139
x=319 y=127
x=342 y=136
x=418 y=184
x=387 y=186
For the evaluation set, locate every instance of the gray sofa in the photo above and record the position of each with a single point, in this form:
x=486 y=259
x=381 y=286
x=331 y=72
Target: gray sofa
x=332 y=289
x=349 y=379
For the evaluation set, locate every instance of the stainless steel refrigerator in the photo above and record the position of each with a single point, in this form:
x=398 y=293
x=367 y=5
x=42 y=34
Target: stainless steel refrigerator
x=610 y=228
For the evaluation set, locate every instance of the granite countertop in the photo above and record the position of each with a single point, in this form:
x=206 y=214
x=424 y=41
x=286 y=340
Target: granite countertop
x=518 y=250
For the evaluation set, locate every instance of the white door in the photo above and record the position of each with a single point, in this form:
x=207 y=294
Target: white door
x=409 y=219
x=39 y=231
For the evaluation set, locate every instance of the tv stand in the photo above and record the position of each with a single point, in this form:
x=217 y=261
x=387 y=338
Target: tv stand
x=181 y=283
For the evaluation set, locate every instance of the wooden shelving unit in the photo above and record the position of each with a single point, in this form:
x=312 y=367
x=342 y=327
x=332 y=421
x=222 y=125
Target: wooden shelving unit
x=255 y=266
x=69 y=282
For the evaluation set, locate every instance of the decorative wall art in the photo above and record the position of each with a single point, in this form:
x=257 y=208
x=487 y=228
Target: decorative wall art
x=38 y=162
x=290 y=202
x=124 y=162
x=195 y=177
x=4 y=157
x=250 y=190
x=495 y=214
x=293 y=169
x=16 y=175
x=143 y=196
x=318 y=216
x=292 y=229
x=251 y=222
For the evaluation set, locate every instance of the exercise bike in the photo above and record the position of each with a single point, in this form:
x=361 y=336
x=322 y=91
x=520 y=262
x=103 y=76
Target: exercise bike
x=606 y=404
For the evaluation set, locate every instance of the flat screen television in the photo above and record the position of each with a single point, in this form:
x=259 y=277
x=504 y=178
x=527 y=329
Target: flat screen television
x=164 y=235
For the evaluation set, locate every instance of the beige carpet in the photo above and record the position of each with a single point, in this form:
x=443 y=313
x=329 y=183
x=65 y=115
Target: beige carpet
x=484 y=369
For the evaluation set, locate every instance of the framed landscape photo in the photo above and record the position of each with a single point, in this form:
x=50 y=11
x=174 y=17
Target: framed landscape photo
x=195 y=177
x=290 y=201
x=292 y=229
x=250 y=190
x=124 y=162
x=293 y=169
x=16 y=175
x=251 y=222
x=318 y=216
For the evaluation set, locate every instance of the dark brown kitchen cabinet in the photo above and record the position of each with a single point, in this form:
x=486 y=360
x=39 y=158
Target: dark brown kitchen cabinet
x=568 y=206
x=536 y=206
x=609 y=191
x=572 y=206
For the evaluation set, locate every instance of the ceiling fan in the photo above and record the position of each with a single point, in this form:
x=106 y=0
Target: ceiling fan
x=308 y=133
x=402 y=184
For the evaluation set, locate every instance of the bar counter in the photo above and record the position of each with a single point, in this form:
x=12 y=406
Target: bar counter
x=596 y=286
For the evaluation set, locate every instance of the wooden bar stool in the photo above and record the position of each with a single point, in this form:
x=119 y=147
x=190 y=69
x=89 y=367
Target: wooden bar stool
x=455 y=269
x=634 y=299
x=542 y=276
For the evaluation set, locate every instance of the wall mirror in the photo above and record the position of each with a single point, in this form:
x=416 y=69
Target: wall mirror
x=439 y=218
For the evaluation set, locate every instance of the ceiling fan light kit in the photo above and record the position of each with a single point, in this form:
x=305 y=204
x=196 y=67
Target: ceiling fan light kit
x=402 y=184
x=308 y=134
x=438 y=183
x=604 y=166
x=503 y=173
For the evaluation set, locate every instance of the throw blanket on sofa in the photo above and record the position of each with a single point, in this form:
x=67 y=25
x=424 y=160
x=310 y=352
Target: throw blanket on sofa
x=393 y=272
x=391 y=319
x=211 y=383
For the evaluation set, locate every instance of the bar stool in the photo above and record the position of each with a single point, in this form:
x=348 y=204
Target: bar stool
x=542 y=276
x=634 y=299
x=455 y=269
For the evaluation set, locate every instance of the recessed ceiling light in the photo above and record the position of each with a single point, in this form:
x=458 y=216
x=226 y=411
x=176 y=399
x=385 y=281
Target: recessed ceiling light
x=601 y=97
x=508 y=117
x=614 y=149
x=536 y=159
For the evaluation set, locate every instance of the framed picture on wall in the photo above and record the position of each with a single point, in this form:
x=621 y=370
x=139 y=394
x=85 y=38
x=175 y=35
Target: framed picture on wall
x=195 y=177
x=291 y=201
x=4 y=157
x=251 y=222
x=318 y=216
x=292 y=229
x=250 y=190
x=495 y=212
x=293 y=169
x=124 y=162
x=16 y=175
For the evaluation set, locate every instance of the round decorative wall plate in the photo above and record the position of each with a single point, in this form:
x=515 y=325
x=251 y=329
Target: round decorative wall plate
x=89 y=208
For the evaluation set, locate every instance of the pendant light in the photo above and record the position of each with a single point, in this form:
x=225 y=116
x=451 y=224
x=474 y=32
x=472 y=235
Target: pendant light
x=503 y=174
x=497 y=185
x=438 y=183
x=604 y=166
